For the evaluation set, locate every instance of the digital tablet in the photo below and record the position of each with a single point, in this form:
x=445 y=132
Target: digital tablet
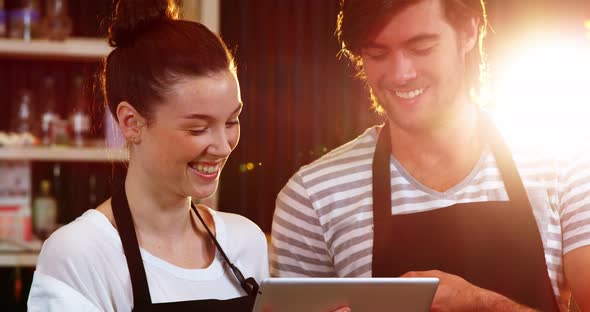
x=360 y=294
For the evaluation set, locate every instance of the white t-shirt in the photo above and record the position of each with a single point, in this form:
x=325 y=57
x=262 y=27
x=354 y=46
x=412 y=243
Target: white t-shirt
x=82 y=267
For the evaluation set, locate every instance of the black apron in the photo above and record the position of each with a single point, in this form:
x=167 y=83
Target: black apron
x=141 y=293
x=495 y=245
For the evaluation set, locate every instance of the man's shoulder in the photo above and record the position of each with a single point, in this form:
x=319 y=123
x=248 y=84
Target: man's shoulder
x=360 y=149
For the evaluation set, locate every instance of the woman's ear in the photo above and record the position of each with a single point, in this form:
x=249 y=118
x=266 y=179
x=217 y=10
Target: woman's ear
x=130 y=122
x=470 y=35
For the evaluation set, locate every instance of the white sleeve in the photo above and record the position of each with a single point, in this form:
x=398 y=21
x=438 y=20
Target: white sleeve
x=79 y=256
x=50 y=294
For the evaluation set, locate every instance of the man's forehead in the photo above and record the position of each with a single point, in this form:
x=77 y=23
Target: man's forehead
x=419 y=18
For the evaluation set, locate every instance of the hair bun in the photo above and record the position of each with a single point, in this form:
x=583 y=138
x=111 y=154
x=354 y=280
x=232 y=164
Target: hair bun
x=133 y=16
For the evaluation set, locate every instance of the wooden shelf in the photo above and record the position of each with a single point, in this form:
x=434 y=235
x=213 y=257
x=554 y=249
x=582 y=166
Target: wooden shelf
x=22 y=259
x=83 y=154
x=87 y=49
x=24 y=254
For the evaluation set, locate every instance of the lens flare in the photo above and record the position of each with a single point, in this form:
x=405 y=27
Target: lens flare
x=542 y=95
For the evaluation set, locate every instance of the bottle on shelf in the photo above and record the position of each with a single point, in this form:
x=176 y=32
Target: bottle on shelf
x=48 y=115
x=25 y=20
x=3 y=28
x=23 y=116
x=56 y=25
x=92 y=198
x=44 y=211
x=25 y=224
x=59 y=182
x=79 y=118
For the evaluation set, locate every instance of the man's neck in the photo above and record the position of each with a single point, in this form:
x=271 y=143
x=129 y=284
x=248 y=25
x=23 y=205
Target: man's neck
x=440 y=157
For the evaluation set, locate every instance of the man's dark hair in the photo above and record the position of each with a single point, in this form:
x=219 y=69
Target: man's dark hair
x=358 y=18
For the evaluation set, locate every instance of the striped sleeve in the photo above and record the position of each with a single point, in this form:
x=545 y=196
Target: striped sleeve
x=298 y=247
x=574 y=196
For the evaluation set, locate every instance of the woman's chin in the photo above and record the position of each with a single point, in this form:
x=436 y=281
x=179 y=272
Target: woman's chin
x=202 y=193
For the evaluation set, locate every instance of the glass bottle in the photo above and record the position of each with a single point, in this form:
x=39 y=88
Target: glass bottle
x=79 y=118
x=25 y=20
x=49 y=115
x=92 y=198
x=3 y=18
x=22 y=120
x=45 y=211
x=56 y=25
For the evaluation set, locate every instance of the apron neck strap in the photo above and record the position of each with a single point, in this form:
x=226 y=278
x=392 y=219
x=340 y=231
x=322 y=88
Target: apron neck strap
x=512 y=182
x=124 y=221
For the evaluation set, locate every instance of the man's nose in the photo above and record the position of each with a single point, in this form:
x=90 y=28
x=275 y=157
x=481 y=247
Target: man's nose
x=402 y=69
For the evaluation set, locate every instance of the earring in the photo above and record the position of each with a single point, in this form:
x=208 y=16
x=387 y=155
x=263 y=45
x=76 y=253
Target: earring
x=134 y=139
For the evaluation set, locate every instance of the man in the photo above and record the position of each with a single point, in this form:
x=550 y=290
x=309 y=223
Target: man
x=436 y=192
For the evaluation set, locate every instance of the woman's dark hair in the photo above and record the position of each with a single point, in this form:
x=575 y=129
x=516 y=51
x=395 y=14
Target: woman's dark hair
x=357 y=18
x=152 y=50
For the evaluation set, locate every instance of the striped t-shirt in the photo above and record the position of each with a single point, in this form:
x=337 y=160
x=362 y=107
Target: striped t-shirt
x=323 y=219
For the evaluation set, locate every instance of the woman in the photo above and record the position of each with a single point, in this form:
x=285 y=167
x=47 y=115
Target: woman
x=172 y=87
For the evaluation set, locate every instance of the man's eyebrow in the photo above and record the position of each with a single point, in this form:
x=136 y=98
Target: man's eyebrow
x=421 y=38
x=411 y=41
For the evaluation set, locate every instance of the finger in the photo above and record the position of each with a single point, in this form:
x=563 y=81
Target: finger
x=412 y=274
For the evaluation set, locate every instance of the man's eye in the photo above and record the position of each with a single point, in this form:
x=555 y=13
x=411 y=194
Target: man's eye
x=376 y=53
x=424 y=49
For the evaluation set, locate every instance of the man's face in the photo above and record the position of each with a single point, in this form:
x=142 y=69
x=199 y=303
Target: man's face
x=415 y=66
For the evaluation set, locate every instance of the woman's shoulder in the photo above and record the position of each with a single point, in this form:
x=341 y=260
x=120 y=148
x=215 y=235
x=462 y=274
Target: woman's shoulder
x=79 y=240
x=244 y=242
x=237 y=225
x=238 y=232
x=86 y=255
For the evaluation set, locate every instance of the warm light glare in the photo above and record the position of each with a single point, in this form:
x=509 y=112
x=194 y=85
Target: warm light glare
x=542 y=95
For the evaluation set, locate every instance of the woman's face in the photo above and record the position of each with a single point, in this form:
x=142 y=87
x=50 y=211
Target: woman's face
x=191 y=135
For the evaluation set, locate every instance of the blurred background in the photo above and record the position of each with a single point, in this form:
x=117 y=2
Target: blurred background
x=58 y=149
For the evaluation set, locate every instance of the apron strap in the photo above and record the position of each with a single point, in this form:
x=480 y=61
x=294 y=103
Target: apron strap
x=382 y=175
x=124 y=222
x=382 y=203
x=510 y=177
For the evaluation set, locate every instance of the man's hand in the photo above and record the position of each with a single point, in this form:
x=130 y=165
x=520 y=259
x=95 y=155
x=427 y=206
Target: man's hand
x=456 y=294
x=341 y=309
x=577 y=275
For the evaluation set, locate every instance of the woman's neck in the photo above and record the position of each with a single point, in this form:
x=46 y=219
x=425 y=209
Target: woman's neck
x=156 y=211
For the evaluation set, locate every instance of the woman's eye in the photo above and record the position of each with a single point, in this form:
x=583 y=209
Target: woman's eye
x=232 y=123
x=197 y=131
